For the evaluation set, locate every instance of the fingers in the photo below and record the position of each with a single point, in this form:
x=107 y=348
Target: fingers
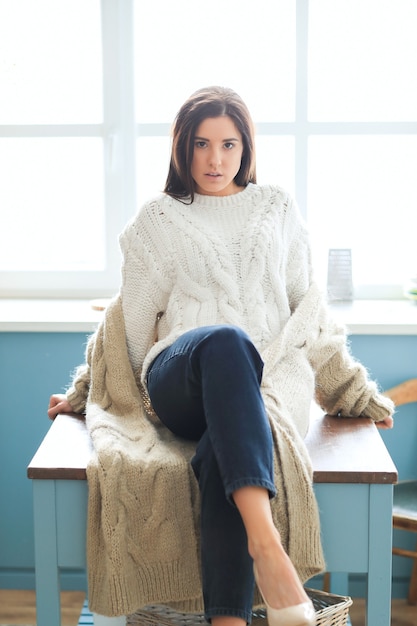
x=58 y=403
x=387 y=423
x=54 y=410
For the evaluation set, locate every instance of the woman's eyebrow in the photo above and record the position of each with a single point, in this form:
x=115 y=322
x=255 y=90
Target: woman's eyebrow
x=224 y=140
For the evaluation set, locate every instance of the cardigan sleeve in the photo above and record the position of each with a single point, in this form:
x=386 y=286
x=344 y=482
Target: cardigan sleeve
x=78 y=391
x=343 y=386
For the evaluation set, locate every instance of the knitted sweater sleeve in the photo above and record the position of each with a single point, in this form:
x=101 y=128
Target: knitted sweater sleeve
x=343 y=386
x=299 y=266
x=144 y=292
x=146 y=280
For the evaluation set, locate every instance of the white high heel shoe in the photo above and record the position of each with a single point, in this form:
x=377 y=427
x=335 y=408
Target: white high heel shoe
x=298 y=615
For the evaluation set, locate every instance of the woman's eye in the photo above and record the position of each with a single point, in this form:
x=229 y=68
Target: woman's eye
x=229 y=145
x=200 y=144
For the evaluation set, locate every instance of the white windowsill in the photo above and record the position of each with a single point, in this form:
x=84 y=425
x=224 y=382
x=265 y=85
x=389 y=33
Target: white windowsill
x=55 y=316
x=377 y=317
x=362 y=317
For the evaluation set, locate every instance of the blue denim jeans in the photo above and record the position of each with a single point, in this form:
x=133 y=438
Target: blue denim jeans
x=206 y=387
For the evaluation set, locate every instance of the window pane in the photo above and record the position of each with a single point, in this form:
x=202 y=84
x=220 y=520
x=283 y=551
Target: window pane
x=51 y=198
x=275 y=161
x=182 y=46
x=50 y=62
x=362 y=195
x=362 y=60
x=152 y=160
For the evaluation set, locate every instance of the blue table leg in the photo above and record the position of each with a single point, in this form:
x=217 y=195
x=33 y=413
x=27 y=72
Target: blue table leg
x=380 y=556
x=48 y=601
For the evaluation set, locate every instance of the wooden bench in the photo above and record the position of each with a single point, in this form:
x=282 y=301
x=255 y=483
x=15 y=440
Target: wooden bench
x=353 y=476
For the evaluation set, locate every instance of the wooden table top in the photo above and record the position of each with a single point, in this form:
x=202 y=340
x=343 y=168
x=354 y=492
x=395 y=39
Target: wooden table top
x=342 y=450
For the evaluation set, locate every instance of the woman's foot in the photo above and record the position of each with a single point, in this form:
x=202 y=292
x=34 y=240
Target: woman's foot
x=276 y=575
x=277 y=579
x=287 y=603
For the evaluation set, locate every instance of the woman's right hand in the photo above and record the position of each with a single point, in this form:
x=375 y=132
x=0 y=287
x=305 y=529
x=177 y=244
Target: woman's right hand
x=58 y=403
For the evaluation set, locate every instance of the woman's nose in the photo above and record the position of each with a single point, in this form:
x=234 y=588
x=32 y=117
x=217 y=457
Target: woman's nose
x=215 y=158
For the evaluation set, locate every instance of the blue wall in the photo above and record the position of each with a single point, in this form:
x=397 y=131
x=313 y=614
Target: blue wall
x=34 y=365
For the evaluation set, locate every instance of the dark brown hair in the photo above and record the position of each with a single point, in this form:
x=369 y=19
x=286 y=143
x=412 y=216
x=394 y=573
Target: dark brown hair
x=204 y=103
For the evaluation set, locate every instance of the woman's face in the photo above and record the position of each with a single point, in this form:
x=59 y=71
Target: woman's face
x=218 y=150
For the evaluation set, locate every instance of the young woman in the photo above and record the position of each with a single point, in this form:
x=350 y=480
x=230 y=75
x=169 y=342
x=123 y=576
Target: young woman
x=229 y=341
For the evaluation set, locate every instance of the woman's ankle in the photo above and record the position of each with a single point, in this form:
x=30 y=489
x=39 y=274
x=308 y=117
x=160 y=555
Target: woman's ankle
x=265 y=543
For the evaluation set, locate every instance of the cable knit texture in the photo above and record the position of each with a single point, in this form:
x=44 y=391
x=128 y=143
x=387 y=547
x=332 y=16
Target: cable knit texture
x=244 y=260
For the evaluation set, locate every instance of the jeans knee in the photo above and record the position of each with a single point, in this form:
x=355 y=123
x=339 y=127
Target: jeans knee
x=234 y=343
x=228 y=347
x=233 y=333
x=227 y=336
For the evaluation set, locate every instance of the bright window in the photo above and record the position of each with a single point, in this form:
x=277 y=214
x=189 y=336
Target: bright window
x=362 y=144
x=50 y=62
x=188 y=49
x=63 y=180
x=93 y=86
x=362 y=60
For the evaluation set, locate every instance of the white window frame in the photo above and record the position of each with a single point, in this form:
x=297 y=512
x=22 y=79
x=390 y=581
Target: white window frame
x=301 y=129
x=119 y=132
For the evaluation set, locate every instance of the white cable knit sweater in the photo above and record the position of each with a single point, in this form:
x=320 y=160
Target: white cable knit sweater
x=241 y=259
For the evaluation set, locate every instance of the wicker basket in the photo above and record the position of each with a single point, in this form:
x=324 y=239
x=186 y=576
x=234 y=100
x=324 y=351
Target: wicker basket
x=331 y=610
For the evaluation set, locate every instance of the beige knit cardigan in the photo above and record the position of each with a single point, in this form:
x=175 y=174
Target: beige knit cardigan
x=143 y=511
